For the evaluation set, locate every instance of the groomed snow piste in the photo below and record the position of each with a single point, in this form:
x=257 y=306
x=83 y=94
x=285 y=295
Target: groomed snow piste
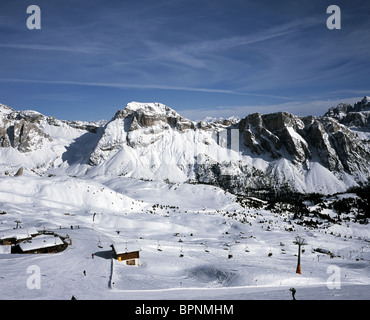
x=203 y=223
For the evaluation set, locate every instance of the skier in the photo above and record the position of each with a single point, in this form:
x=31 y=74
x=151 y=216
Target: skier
x=292 y=290
x=84 y=272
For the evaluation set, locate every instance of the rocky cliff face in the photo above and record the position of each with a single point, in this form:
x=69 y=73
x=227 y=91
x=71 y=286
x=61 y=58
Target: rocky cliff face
x=304 y=139
x=143 y=115
x=352 y=116
x=138 y=125
x=19 y=130
x=23 y=130
x=275 y=150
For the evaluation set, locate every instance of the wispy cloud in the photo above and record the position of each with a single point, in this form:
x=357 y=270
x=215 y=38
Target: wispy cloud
x=297 y=108
x=139 y=86
x=50 y=48
x=253 y=54
x=269 y=33
x=196 y=53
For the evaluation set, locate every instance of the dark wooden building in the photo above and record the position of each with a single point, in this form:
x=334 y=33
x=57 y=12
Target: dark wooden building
x=41 y=244
x=122 y=253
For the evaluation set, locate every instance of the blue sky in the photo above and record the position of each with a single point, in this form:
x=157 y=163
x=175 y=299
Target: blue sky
x=203 y=57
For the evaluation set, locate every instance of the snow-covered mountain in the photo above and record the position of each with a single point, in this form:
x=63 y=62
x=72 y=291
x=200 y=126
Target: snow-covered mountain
x=258 y=154
x=97 y=184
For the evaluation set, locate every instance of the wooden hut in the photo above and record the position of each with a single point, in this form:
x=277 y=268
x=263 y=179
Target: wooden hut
x=13 y=236
x=42 y=244
x=122 y=253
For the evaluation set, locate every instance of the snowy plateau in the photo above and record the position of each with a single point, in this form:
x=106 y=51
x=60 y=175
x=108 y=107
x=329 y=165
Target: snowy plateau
x=213 y=207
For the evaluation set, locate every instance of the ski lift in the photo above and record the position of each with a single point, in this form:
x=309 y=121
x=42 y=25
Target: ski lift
x=17 y=222
x=100 y=244
x=230 y=255
x=159 y=247
x=270 y=253
x=206 y=248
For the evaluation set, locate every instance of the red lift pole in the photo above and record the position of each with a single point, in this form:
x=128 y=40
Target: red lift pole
x=300 y=242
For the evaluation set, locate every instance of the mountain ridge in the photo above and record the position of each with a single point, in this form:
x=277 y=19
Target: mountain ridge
x=269 y=152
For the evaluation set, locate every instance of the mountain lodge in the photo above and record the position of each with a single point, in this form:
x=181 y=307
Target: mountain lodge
x=121 y=253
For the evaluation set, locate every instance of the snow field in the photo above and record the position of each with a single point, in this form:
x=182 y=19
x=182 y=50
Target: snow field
x=181 y=218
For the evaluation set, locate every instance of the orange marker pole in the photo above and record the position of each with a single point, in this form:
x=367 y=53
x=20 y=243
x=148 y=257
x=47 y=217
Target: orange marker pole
x=299 y=260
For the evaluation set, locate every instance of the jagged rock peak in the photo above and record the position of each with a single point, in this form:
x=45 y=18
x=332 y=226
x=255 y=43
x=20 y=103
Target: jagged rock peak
x=27 y=115
x=343 y=109
x=148 y=109
x=151 y=114
x=5 y=109
x=268 y=133
x=363 y=105
x=303 y=139
x=352 y=116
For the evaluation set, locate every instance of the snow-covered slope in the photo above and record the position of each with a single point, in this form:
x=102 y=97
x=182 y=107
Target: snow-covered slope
x=210 y=244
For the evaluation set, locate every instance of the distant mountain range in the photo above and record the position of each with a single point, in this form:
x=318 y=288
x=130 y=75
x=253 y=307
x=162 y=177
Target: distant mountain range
x=259 y=154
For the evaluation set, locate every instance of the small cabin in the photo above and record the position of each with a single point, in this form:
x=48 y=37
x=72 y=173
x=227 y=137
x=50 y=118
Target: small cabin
x=14 y=236
x=41 y=244
x=122 y=253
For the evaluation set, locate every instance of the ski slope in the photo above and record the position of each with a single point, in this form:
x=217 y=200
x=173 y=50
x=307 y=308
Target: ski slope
x=202 y=222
